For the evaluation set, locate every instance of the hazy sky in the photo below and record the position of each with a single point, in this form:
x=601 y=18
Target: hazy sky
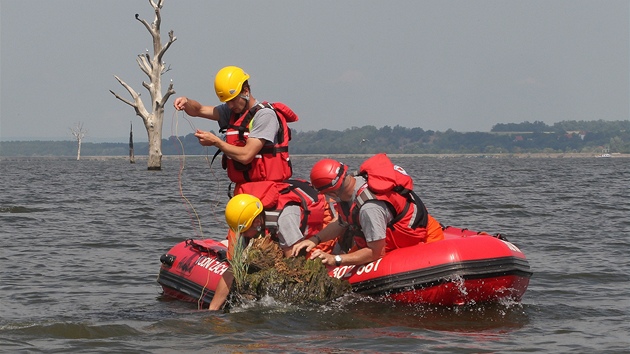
x=464 y=65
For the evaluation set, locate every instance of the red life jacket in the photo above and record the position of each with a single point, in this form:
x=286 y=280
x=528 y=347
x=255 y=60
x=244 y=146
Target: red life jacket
x=275 y=196
x=272 y=163
x=389 y=183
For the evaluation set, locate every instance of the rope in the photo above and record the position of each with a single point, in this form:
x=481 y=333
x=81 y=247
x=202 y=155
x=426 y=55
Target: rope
x=200 y=300
x=186 y=201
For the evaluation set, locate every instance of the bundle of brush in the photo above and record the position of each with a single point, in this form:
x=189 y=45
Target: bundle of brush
x=293 y=280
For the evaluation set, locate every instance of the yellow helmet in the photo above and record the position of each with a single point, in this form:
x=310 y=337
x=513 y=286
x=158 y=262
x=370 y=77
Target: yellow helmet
x=241 y=211
x=229 y=82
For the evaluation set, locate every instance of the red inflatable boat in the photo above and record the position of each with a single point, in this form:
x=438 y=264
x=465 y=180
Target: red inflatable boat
x=466 y=267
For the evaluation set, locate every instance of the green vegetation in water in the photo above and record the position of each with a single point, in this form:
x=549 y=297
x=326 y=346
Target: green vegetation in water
x=238 y=262
x=294 y=280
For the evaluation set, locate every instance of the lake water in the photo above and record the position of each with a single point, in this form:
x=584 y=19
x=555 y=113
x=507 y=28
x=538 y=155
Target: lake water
x=81 y=243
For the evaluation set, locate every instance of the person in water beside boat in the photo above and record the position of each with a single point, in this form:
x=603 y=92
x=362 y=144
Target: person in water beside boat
x=289 y=212
x=256 y=146
x=376 y=206
x=243 y=214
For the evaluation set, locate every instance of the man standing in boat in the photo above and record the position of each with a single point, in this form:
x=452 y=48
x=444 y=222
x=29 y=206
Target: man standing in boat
x=256 y=146
x=377 y=207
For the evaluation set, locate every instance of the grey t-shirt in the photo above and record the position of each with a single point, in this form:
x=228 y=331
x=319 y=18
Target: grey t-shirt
x=289 y=232
x=289 y=222
x=374 y=215
x=264 y=123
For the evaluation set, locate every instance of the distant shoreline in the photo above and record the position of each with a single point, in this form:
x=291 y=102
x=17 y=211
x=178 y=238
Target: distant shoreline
x=575 y=155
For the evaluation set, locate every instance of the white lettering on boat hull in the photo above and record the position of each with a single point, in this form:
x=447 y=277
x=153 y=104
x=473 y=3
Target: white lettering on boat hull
x=212 y=265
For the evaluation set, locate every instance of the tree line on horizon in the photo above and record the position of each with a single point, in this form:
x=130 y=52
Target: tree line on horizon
x=526 y=137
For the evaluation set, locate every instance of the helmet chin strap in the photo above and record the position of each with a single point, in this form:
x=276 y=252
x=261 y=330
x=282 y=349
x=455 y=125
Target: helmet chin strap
x=246 y=98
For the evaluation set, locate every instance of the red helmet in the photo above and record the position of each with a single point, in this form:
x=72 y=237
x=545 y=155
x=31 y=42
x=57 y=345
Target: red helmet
x=328 y=175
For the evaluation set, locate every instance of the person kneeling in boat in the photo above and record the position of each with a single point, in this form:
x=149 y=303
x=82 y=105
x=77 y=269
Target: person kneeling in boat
x=246 y=217
x=376 y=206
x=293 y=211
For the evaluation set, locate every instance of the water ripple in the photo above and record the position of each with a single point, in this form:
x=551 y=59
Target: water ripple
x=81 y=242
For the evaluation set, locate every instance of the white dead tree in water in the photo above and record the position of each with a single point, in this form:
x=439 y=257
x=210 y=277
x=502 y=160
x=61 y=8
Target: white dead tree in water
x=78 y=133
x=153 y=67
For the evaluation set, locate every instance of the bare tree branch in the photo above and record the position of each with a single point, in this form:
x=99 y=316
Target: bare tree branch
x=158 y=18
x=123 y=99
x=78 y=131
x=144 y=64
x=172 y=39
x=145 y=23
x=137 y=102
x=170 y=91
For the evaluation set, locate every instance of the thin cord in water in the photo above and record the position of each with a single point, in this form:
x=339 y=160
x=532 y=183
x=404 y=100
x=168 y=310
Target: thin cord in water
x=213 y=206
x=182 y=164
x=200 y=300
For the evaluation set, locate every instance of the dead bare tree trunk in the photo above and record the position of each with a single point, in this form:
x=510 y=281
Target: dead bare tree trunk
x=153 y=67
x=132 y=158
x=78 y=133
